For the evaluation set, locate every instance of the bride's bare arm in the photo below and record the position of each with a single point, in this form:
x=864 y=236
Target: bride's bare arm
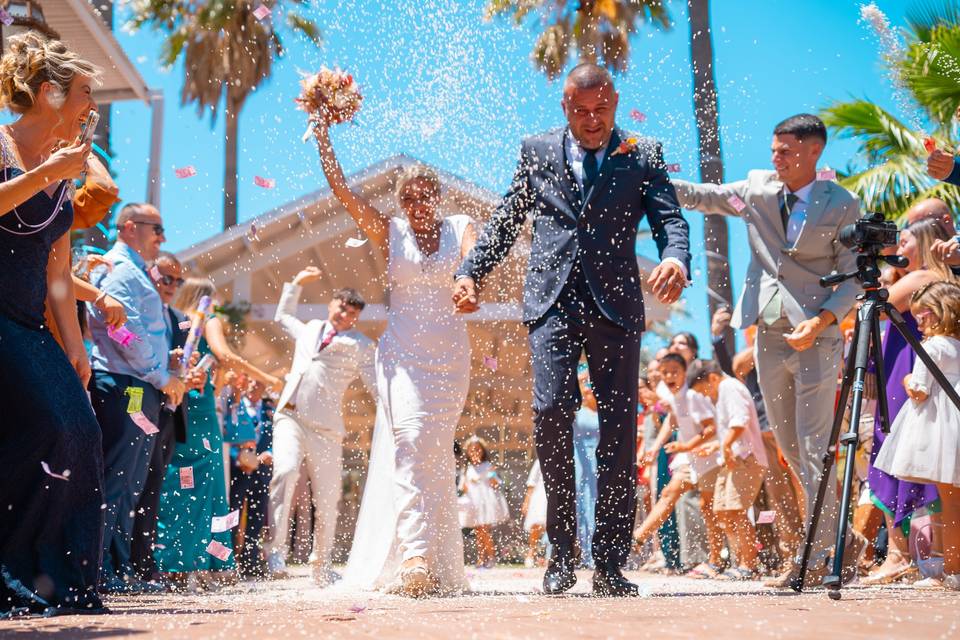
x=374 y=223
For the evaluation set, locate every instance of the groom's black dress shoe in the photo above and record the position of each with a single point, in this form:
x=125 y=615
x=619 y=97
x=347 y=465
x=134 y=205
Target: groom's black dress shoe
x=609 y=582
x=560 y=574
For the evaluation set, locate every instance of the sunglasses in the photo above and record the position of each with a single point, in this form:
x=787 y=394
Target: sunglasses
x=169 y=280
x=157 y=227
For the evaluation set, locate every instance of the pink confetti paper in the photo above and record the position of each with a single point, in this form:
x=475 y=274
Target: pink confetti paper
x=673 y=168
x=59 y=476
x=766 y=517
x=826 y=174
x=266 y=183
x=218 y=551
x=738 y=204
x=490 y=362
x=357 y=608
x=206 y=445
x=186 y=172
x=637 y=115
x=219 y=524
x=261 y=12
x=184 y=325
x=5 y=17
x=186 y=477
x=144 y=423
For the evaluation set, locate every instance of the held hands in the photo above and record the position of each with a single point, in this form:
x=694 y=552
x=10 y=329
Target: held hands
x=465 y=297
x=667 y=281
x=310 y=274
x=66 y=163
x=940 y=164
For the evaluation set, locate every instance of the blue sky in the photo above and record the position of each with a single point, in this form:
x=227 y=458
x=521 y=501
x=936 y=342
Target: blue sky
x=442 y=85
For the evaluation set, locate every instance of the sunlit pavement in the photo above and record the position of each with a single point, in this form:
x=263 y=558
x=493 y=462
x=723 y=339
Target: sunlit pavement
x=505 y=603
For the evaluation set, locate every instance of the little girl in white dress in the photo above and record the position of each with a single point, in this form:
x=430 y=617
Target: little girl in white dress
x=924 y=441
x=482 y=505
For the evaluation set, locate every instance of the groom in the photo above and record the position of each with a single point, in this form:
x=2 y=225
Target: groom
x=587 y=186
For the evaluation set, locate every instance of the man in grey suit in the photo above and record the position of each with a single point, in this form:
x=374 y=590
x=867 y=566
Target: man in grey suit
x=587 y=186
x=308 y=425
x=793 y=219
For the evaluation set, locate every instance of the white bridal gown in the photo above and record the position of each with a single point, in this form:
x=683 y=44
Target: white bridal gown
x=409 y=505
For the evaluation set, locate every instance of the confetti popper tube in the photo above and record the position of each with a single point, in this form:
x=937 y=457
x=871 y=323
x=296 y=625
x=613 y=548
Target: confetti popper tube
x=197 y=320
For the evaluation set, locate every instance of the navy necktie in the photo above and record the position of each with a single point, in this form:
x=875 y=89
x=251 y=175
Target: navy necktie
x=590 y=170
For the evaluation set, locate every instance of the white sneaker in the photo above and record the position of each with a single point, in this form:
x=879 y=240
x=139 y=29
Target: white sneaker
x=952 y=581
x=276 y=564
x=932 y=582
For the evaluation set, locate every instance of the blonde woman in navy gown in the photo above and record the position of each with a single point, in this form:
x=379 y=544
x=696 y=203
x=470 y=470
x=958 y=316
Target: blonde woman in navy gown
x=50 y=527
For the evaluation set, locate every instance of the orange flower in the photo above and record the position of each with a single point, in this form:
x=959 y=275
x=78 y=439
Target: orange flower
x=627 y=146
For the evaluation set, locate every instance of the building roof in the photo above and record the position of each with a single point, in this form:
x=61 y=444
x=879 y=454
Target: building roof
x=83 y=30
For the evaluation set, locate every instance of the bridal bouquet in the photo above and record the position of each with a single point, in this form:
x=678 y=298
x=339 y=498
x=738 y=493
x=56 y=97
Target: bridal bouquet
x=330 y=96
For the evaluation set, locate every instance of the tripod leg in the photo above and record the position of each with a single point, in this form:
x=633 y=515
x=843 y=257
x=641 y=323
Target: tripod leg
x=849 y=442
x=814 y=516
x=941 y=379
x=883 y=410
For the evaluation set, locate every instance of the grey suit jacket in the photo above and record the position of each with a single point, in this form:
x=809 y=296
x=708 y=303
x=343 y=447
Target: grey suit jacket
x=318 y=379
x=795 y=269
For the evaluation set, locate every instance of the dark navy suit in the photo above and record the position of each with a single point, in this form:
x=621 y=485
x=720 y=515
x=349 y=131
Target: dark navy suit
x=583 y=294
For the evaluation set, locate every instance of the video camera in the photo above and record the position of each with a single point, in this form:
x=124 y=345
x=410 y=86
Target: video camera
x=869 y=234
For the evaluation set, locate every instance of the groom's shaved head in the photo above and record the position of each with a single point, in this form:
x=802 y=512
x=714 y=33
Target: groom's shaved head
x=587 y=76
x=590 y=104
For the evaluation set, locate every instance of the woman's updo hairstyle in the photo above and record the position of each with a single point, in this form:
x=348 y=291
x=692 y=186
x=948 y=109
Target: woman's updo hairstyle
x=30 y=60
x=413 y=172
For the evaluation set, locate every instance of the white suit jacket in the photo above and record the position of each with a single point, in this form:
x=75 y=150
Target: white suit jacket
x=774 y=263
x=318 y=379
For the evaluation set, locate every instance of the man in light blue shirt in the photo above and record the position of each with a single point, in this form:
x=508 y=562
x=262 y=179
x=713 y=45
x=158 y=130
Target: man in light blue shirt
x=128 y=385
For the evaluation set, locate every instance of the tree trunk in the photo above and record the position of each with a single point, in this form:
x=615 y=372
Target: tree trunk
x=230 y=163
x=719 y=290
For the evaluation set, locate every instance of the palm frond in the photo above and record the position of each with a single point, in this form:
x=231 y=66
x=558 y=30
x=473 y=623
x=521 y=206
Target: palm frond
x=931 y=70
x=891 y=186
x=924 y=16
x=881 y=134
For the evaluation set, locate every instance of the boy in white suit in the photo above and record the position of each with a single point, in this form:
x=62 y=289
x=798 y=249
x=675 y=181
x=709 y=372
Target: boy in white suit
x=308 y=426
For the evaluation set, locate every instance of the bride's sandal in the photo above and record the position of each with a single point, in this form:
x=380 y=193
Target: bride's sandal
x=416 y=581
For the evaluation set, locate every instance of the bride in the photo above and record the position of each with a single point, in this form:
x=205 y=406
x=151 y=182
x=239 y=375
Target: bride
x=408 y=537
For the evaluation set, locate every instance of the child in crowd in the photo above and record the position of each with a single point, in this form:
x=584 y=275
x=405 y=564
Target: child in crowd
x=691 y=414
x=924 y=441
x=482 y=506
x=744 y=460
x=534 y=513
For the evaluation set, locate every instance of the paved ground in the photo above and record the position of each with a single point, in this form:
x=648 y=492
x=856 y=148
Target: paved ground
x=505 y=605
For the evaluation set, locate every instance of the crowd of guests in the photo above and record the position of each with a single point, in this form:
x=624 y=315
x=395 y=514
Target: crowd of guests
x=142 y=453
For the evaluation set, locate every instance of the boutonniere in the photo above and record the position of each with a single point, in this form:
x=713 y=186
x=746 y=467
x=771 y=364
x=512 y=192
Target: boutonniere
x=627 y=146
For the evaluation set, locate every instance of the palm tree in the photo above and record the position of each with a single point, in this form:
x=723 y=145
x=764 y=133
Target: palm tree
x=715 y=237
x=601 y=31
x=227 y=53
x=928 y=79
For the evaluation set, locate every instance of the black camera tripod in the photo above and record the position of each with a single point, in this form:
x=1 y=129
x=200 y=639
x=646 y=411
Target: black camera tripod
x=866 y=345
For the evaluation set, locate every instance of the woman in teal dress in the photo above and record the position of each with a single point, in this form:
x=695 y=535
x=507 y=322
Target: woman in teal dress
x=186 y=514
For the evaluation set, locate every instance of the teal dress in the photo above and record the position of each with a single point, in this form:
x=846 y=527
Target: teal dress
x=183 y=527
